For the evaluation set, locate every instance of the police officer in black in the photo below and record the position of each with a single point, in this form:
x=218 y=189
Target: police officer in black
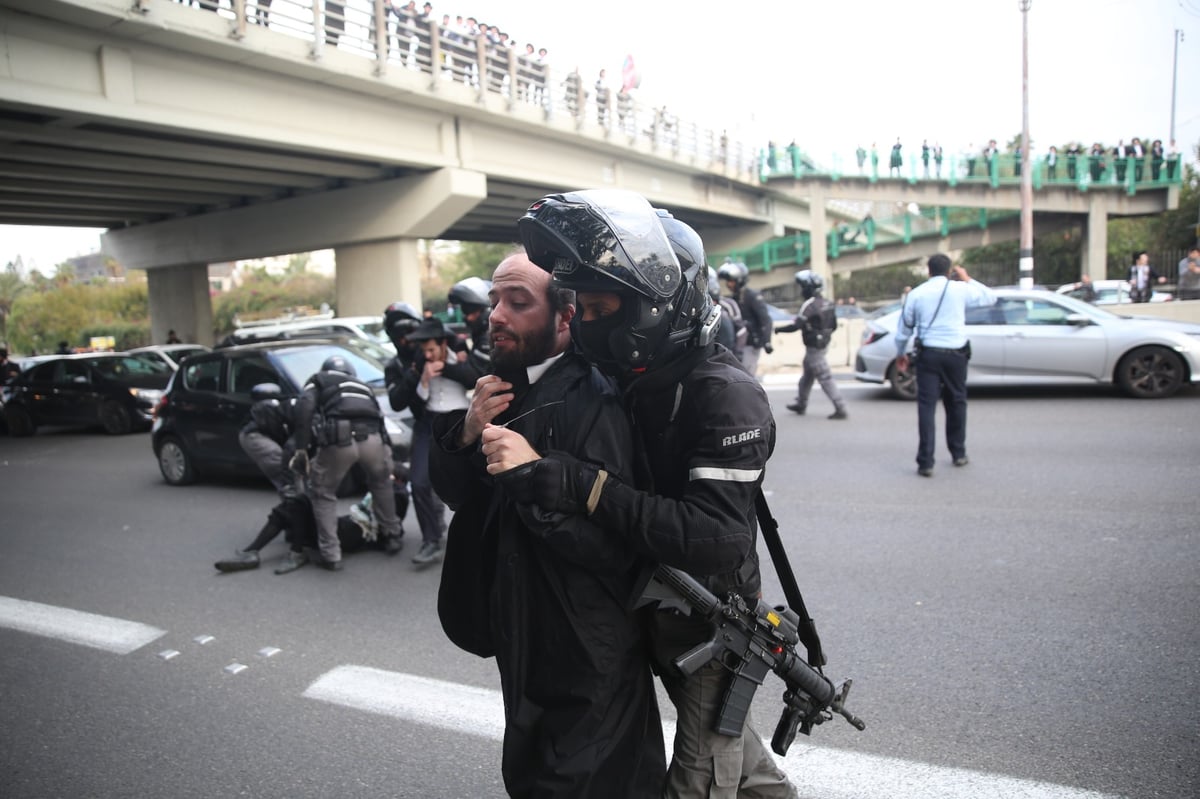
x=754 y=313
x=471 y=296
x=816 y=322
x=703 y=434
x=349 y=430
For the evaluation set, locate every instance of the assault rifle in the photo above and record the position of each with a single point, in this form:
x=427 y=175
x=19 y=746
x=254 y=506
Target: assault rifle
x=750 y=642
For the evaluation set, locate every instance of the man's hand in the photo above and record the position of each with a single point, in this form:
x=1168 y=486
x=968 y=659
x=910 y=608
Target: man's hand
x=299 y=462
x=506 y=449
x=902 y=363
x=432 y=369
x=491 y=398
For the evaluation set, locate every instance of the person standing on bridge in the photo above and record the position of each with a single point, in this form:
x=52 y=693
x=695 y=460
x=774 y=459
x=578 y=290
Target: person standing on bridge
x=935 y=313
x=897 y=160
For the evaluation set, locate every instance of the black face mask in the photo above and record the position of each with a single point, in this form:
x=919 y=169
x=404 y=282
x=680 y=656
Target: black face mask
x=595 y=340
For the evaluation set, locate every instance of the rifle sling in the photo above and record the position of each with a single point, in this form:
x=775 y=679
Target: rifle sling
x=787 y=580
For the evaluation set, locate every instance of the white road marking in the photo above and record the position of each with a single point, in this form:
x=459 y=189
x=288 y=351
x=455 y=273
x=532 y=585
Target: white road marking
x=77 y=627
x=828 y=773
x=816 y=771
x=461 y=708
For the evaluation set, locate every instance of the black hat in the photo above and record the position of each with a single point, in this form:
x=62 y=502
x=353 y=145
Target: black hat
x=429 y=330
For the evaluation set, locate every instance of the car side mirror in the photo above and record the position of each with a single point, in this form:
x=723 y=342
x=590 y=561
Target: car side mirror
x=264 y=391
x=1078 y=319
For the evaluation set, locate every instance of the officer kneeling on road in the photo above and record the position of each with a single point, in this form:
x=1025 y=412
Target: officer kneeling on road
x=349 y=430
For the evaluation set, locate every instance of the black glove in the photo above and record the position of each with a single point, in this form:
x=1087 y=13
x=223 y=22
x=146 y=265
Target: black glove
x=559 y=484
x=767 y=348
x=299 y=462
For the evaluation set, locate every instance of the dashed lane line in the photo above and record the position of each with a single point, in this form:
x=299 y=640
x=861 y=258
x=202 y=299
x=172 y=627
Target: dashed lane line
x=76 y=627
x=828 y=773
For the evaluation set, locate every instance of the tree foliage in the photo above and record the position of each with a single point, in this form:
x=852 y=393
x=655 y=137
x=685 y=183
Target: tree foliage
x=264 y=294
x=72 y=312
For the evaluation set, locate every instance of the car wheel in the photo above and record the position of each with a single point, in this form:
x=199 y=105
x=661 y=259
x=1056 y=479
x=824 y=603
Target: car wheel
x=175 y=463
x=1150 y=373
x=115 y=418
x=904 y=384
x=20 y=422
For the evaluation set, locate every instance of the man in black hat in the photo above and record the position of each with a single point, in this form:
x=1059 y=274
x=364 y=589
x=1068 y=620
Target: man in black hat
x=441 y=388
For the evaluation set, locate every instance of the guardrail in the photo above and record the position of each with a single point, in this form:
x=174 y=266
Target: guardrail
x=1084 y=171
x=424 y=45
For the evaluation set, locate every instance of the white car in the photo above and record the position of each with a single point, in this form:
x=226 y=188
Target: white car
x=364 y=327
x=1111 y=292
x=167 y=354
x=1044 y=337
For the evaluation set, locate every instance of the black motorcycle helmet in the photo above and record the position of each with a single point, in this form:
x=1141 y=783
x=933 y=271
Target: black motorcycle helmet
x=607 y=240
x=471 y=293
x=400 y=317
x=732 y=271
x=810 y=282
x=336 y=363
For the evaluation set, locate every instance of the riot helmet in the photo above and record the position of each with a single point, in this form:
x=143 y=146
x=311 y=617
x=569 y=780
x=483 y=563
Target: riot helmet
x=810 y=282
x=400 y=319
x=607 y=240
x=734 y=272
x=336 y=363
x=471 y=292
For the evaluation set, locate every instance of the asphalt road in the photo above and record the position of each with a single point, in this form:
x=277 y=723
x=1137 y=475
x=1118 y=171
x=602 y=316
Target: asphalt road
x=1024 y=626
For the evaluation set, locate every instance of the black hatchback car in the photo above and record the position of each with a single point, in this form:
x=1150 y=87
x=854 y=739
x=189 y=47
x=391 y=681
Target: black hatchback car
x=208 y=401
x=109 y=390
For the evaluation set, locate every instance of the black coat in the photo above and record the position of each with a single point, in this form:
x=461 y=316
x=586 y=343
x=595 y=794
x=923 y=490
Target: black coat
x=548 y=595
x=705 y=431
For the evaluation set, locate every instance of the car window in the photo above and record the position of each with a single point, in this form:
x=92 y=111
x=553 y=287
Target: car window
x=45 y=372
x=303 y=363
x=986 y=315
x=203 y=375
x=1040 y=312
x=246 y=373
x=1014 y=311
x=69 y=371
x=125 y=368
x=148 y=357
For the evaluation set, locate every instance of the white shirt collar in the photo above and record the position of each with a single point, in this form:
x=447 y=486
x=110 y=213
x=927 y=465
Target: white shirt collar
x=535 y=372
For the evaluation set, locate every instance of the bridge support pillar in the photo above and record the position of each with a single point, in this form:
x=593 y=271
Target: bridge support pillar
x=373 y=275
x=819 y=242
x=179 y=301
x=1095 y=251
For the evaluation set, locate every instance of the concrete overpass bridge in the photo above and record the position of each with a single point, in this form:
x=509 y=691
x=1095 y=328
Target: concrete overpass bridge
x=196 y=136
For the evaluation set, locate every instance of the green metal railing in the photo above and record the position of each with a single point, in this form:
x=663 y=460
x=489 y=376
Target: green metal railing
x=928 y=222
x=1084 y=171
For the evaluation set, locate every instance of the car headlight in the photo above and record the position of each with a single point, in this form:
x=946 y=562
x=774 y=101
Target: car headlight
x=150 y=395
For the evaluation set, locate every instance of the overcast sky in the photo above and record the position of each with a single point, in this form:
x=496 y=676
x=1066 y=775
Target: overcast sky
x=835 y=75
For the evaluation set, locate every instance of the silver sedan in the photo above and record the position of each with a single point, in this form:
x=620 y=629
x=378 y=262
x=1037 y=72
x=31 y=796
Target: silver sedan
x=1040 y=337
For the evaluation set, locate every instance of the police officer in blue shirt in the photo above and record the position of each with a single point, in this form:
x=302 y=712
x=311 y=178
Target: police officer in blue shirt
x=935 y=314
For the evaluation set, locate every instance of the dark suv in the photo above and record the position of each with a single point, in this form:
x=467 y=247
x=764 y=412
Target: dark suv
x=109 y=390
x=208 y=401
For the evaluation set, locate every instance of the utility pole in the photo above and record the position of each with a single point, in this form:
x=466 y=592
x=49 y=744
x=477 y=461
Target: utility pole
x=1174 y=75
x=1026 y=252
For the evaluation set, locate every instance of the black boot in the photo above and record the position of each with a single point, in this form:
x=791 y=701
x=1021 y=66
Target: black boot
x=242 y=561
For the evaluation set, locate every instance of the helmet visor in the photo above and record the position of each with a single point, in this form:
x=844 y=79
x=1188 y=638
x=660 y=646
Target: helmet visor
x=601 y=233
